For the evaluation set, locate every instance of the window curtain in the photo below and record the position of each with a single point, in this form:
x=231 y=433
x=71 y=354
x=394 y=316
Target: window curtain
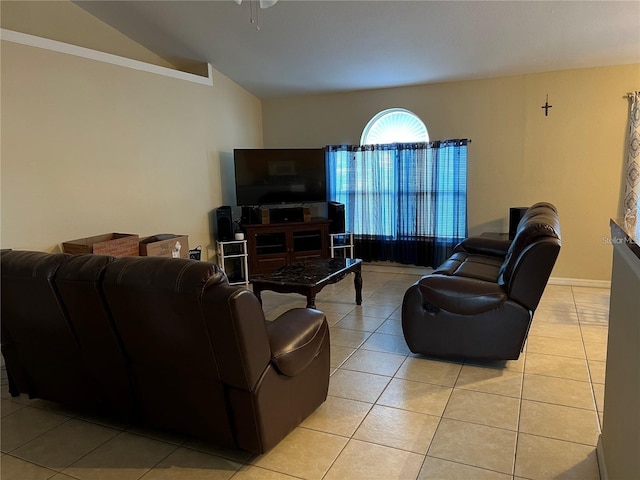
x=404 y=202
x=632 y=170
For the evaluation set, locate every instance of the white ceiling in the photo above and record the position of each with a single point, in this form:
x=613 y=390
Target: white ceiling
x=319 y=46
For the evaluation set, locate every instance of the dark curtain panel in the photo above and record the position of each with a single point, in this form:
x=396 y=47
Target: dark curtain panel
x=404 y=202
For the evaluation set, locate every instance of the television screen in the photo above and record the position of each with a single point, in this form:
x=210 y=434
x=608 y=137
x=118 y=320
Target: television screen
x=279 y=176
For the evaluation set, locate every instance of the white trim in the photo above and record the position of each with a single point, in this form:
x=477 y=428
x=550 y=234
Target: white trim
x=579 y=282
x=602 y=466
x=67 y=48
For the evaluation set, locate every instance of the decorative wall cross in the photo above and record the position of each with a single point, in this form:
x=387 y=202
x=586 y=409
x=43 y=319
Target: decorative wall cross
x=546 y=106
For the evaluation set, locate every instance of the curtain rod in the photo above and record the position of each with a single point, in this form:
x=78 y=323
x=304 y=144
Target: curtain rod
x=631 y=94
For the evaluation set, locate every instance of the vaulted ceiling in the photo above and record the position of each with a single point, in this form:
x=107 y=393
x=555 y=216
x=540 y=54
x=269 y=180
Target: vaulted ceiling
x=320 y=46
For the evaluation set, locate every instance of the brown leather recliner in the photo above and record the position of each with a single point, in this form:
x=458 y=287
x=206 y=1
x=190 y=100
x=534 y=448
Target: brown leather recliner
x=480 y=302
x=165 y=341
x=202 y=359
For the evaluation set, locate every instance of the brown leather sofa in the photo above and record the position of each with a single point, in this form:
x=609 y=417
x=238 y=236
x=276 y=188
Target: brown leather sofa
x=480 y=302
x=166 y=342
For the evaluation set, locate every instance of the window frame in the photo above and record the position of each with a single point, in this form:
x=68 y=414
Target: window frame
x=413 y=124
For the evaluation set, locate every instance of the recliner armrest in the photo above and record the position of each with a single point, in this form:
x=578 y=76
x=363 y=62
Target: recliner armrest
x=494 y=247
x=296 y=338
x=460 y=295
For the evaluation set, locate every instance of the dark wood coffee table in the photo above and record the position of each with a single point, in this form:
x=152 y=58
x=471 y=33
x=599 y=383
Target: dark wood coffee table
x=309 y=277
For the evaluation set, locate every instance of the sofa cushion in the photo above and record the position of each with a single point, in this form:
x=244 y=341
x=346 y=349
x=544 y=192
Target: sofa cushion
x=484 y=245
x=296 y=338
x=460 y=295
x=481 y=267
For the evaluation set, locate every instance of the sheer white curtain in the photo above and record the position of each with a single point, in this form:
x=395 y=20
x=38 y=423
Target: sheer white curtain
x=632 y=170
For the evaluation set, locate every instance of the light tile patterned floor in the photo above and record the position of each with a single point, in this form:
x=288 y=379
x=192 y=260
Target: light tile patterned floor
x=389 y=414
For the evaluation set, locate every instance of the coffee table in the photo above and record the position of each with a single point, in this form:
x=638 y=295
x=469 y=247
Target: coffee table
x=309 y=277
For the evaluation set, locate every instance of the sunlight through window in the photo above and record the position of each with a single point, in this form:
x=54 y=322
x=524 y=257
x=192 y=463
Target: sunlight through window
x=395 y=125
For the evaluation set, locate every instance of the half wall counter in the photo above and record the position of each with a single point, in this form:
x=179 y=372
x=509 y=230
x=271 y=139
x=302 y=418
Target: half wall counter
x=619 y=443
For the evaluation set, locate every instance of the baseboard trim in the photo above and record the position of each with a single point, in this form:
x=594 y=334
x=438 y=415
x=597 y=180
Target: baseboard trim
x=602 y=466
x=391 y=267
x=579 y=282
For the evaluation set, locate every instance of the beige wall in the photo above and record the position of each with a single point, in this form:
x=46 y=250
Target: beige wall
x=90 y=148
x=572 y=158
x=66 y=22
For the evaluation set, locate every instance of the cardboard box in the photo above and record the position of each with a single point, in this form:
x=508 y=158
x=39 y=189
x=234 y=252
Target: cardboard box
x=114 y=244
x=165 y=245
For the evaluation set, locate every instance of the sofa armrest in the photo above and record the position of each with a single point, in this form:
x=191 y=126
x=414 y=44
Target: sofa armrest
x=460 y=295
x=495 y=247
x=296 y=338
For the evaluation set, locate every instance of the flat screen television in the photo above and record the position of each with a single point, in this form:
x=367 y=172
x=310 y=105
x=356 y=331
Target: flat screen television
x=275 y=176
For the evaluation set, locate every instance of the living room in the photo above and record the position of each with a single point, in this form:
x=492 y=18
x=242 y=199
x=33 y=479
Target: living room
x=173 y=135
x=90 y=147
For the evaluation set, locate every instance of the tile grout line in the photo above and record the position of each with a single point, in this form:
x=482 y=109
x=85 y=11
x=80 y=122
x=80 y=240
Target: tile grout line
x=525 y=352
x=586 y=359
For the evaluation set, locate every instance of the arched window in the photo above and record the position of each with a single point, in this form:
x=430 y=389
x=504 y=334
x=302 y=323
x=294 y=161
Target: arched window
x=395 y=125
x=405 y=197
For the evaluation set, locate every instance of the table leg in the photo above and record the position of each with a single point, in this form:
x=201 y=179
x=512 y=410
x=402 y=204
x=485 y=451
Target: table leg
x=357 y=282
x=311 y=300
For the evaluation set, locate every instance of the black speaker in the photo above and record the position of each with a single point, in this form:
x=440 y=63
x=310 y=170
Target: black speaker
x=515 y=214
x=225 y=223
x=335 y=212
x=286 y=214
x=249 y=216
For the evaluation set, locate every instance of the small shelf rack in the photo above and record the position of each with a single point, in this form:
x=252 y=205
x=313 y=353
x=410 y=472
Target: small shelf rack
x=341 y=245
x=232 y=259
